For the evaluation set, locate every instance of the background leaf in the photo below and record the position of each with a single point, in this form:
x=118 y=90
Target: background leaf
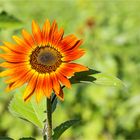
x=29 y=138
x=30 y=111
x=6 y=138
x=59 y=130
x=9 y=21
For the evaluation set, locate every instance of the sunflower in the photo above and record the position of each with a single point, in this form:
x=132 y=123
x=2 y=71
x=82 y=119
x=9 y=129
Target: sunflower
x=42 y=60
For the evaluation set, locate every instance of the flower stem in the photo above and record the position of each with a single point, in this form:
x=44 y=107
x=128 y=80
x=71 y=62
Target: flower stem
x=48 y=125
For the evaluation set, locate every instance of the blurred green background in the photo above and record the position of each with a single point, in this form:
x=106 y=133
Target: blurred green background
x=111 y=33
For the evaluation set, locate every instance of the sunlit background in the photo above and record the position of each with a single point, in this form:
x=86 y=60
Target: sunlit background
x=111 y=33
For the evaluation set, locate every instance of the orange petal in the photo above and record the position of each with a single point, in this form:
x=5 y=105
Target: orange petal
x=58 y=36
x=76 y=45
x=21 y=42
x=16 y=48
x=39 y=87
x=28 y=38
x=14 y=57
x=64 y=80
x=46 y=32
x=19 y=80
x=61 y=95
x=47 y=85
x=56 y=86
x=68 y=69
x=76 y=67
x=13 y=65
x=55 y=82
x=30 y=87
x=68 y=42
x=36 y=32
x=6 y=73
x=4 y=48
x=53 y=29
x=73 y=55
x=15 y=71
x=65 y=71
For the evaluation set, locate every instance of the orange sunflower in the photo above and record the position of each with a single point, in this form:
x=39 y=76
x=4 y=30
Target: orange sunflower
x=42 y=60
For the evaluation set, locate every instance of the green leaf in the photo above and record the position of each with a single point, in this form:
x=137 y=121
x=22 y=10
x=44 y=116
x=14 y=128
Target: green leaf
x=6 y=138
x=108 y=80
x=59 y=130
x=84 y=76
x=29 y=138
x=29 y=111
x=9 y=21
x=93 y=76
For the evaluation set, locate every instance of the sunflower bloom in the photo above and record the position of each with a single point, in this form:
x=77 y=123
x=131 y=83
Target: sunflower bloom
x=42 y=60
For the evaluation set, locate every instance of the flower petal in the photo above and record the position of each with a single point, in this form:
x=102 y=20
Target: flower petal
x=4 y=48
x=68 y=69
x=55 y=82
x=56 y=86
x=46 y=32
x=61 y=95
x=21 y=42
x=58 y=37
x=65 y=71
x=14 y=65
x=75 y=67
x=14 y=57
x=53 y=29
x=16 y=48
x=76 y=45
x=6 y=73
x=47 y=85
x=63 y=80
x=39 y=87
x=30 y=87
x=73 y=55
x=19 y=80
x=28 y=38
x=36 y=32
x=68 y=42
x=15 y=71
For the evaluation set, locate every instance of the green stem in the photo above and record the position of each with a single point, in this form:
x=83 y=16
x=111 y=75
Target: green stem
x=48 y=125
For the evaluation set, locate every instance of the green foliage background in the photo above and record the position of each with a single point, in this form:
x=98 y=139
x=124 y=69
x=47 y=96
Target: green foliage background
x=111 y=33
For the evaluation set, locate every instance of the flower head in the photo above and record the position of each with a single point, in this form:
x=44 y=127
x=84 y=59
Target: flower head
x=42 y=60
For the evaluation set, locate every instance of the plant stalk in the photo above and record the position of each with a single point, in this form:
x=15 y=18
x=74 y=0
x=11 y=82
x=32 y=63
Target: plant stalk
x=48 y=125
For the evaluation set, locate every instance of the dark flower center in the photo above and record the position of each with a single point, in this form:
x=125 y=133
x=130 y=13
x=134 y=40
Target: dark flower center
x=45 y=59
